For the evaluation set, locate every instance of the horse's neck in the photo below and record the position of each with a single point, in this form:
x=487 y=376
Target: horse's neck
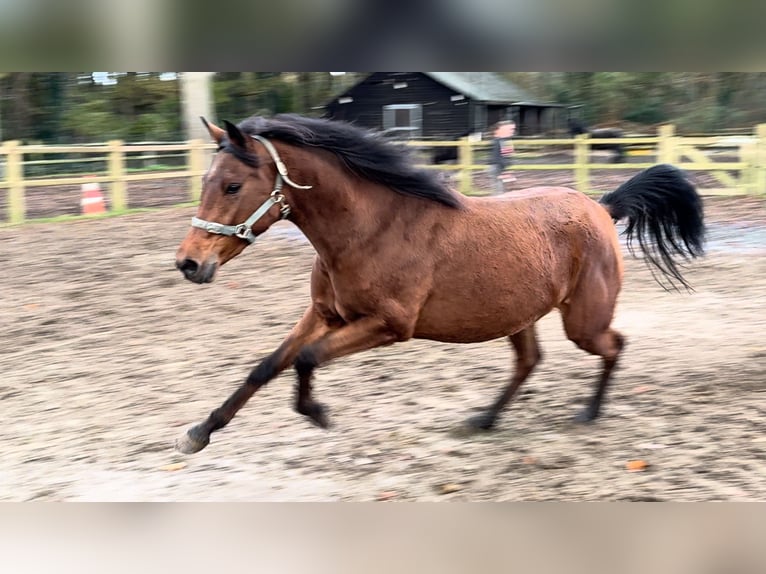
x=340 y=213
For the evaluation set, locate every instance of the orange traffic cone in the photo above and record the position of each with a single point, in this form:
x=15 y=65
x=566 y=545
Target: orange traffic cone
x=92 y=200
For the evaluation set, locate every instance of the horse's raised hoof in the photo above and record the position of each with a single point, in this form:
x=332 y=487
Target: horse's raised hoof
x=192 y=441
x=316 y=412
x=587 y=415
x=482 y=421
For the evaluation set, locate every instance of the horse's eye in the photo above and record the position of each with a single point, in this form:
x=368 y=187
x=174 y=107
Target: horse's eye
x=233 y=187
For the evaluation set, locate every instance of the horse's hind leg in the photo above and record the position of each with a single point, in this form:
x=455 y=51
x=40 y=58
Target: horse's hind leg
x=586 y=321
x=608 y=345
x=527 y=356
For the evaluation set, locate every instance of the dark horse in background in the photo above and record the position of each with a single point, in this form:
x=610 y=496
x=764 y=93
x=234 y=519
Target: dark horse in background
x=401 y=256
x=445 y=154
x=577 y=127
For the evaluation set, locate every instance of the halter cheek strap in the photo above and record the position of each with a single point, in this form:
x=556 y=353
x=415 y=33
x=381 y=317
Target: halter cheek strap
x=244 y=230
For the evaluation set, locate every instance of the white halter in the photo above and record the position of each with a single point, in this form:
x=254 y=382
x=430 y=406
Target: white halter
x=244 y=230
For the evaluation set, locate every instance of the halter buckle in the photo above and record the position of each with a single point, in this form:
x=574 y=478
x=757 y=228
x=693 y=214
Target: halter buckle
x=241 y=231
x=279 y=199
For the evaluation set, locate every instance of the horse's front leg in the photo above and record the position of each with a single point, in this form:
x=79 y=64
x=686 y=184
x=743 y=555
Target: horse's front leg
x=311 y=326
x=361 y=335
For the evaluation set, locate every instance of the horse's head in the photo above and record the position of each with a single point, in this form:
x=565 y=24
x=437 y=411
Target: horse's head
x=241 y=198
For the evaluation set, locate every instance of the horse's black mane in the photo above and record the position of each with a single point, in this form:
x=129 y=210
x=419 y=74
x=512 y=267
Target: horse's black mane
x=364 y=153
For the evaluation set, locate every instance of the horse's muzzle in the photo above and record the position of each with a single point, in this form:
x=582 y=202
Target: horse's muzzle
x=193 y=271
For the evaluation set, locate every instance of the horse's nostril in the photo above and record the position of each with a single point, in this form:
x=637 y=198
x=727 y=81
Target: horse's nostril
x=187 y=266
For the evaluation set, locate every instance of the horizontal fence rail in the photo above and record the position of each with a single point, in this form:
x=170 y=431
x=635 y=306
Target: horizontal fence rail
x=737 y=162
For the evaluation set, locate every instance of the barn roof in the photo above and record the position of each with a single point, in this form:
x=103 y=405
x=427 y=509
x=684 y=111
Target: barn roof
x=482 y=86
x=485 y=87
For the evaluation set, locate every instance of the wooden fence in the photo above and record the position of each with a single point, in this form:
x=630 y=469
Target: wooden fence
x=113 y=155
x=20 y=172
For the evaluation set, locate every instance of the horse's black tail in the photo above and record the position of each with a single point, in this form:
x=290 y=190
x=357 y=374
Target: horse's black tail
x=664 y=213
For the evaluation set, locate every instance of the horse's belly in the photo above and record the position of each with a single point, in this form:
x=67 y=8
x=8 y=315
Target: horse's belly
x=474 y=321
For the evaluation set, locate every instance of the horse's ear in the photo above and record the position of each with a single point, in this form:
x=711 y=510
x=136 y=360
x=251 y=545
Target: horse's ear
x=235 y=136
x=215 y=132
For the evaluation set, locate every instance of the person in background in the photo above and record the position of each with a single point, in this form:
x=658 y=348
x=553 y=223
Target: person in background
x=502 y=151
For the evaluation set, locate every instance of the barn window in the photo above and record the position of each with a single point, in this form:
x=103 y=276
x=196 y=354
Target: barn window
x=403 y=120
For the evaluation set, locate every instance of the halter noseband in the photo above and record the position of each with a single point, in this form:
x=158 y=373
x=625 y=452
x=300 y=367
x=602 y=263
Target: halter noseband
x=244 y=230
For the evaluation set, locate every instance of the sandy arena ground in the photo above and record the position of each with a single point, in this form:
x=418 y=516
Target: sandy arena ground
x=108 y=355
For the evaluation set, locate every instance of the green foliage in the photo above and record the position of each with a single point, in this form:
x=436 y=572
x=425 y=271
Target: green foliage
x=70 y=107
x=649 y=111
x=91 y=121
x=695 y=101
x=238 y=95
x=709 y=119
x=65 y=108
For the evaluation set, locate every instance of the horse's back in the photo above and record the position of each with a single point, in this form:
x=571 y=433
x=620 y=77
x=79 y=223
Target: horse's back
x=555 y=212
x=545 y=192
x=548 y=205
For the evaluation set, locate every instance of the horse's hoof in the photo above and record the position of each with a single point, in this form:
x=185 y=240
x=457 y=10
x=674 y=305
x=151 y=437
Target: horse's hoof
x=482 y=421
x=317 y=413
x=587 y=415
x=192 y=442
x=321 y=420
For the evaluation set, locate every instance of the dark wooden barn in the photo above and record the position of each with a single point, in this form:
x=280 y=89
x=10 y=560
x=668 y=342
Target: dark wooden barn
x=442 y=105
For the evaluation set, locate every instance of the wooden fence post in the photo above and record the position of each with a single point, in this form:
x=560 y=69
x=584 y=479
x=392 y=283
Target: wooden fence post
x=748 y=154
x=666 y=148
x=582 y=158
x=15 y=178
x=465 y=158
x=117 y=191
x=196 y=167
x=759 y=183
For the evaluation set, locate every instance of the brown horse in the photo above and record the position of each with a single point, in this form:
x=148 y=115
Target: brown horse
x=400 y=256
